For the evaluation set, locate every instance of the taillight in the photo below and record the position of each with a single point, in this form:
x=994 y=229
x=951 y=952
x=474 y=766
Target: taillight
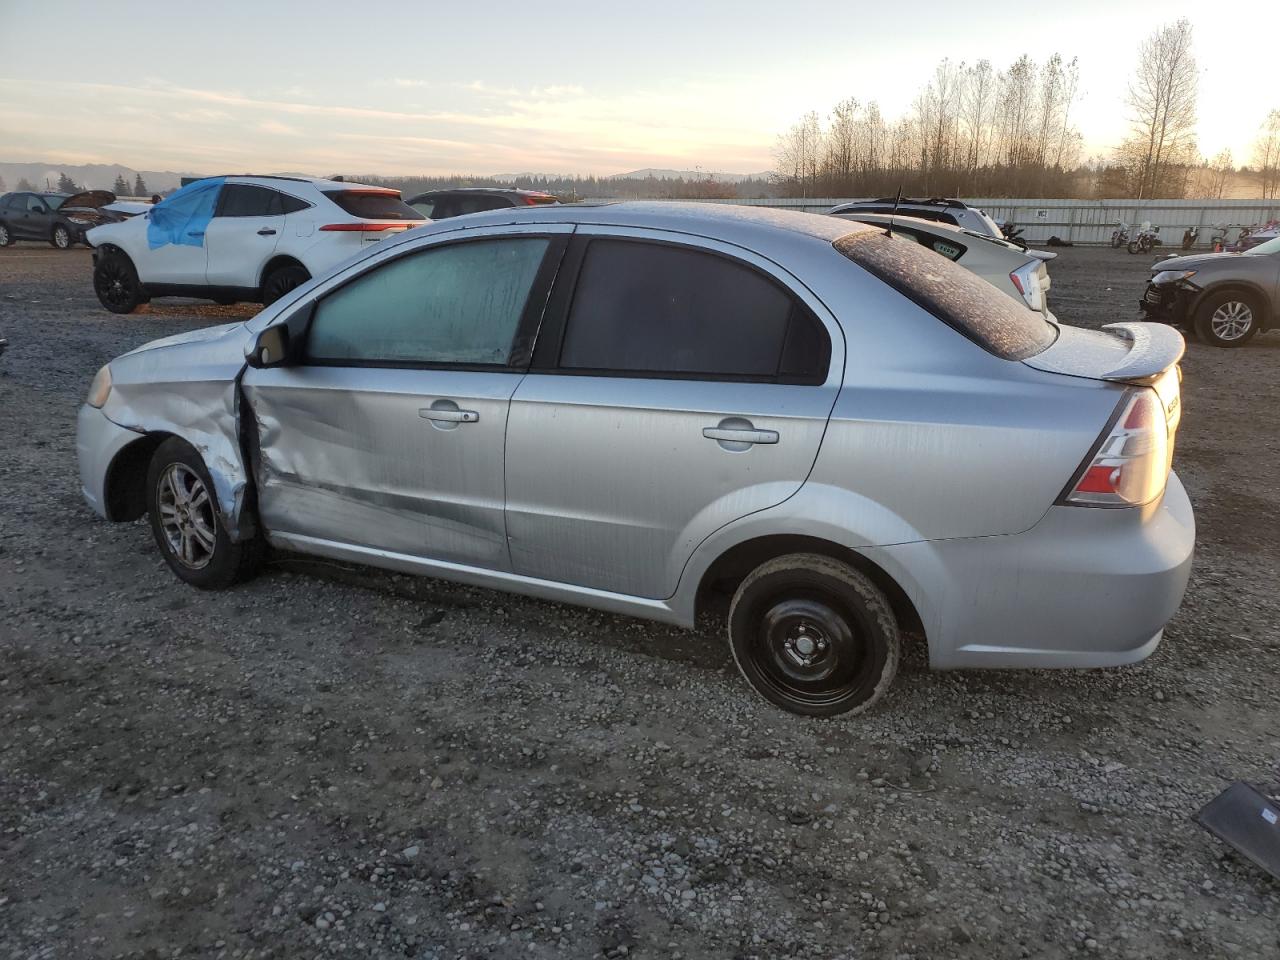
x=364 y=227
x=1131 y=464
x=1027 y=278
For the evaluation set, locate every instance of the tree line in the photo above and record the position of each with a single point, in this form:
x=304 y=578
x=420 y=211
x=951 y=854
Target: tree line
x=67 y=185
x=975 y=130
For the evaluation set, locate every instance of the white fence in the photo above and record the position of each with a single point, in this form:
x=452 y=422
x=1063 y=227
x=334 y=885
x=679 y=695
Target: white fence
x=1091 y=221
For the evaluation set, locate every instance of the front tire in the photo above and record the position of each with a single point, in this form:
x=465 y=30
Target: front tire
x=61 y=238
x=814 y=636
x=6 y=237
x=1227 y=319
x=116 y=283
x=182 y=506
x=281 y=280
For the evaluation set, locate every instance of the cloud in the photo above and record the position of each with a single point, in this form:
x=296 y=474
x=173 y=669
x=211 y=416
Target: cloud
x=278 y=128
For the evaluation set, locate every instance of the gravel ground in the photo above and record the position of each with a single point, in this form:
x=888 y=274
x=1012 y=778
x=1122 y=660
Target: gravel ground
x=334 y=761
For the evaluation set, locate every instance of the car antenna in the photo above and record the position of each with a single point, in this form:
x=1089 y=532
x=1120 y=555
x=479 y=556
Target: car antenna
x=888 y=231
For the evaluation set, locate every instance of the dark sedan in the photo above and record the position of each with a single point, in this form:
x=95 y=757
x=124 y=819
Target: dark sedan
x=442 y=204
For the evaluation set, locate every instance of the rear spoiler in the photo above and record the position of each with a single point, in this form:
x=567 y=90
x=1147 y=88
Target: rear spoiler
x=1155 y=348
x=1131 y=352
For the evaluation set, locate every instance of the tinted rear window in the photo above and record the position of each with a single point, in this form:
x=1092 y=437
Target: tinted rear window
x=373 y=206
x=960 y=299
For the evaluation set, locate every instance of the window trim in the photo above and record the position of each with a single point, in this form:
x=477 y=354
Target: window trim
x=526 y=327
x=550 y=341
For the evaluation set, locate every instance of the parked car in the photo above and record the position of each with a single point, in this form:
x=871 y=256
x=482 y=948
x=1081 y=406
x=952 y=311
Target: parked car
x=241 y=238
x=58 y=218
x=955 y=212
x=1018 y=272
x=1226 y=298
x=442 y=204
x=642 y=407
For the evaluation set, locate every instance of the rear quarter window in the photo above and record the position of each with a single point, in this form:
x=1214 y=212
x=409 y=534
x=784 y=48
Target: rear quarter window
x=960 y=299
x=369 y=205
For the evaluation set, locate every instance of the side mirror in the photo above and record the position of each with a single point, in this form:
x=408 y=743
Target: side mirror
x=270 y=348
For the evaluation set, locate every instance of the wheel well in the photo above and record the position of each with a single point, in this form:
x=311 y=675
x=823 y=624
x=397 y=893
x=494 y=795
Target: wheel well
x=275 y=263
x=731 y=568
x=125 y=490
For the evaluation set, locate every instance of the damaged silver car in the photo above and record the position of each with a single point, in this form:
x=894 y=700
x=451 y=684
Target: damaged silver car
x=644 y=407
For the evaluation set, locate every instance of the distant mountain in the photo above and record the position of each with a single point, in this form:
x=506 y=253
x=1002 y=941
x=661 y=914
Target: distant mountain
x=91 y=176
x=658 y=174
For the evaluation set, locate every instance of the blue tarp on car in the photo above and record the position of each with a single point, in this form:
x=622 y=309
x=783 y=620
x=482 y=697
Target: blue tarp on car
x=183 y=216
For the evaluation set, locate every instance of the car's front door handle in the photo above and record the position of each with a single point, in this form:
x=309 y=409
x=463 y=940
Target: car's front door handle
x=444 y=415
x=267 y=232
x=739 y=435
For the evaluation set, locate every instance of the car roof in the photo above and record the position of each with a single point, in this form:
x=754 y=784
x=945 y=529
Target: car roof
x=750 y=227
x=485 y=191
x=320 y=183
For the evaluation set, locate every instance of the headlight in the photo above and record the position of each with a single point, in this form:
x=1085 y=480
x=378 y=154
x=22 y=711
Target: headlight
x=100 y=389
x=1172 y=276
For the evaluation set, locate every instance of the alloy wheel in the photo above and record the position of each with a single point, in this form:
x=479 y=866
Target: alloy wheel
x=186 y=516
x=61 y=238
x=114 y=283
x=1232 y=320
x=4 y=236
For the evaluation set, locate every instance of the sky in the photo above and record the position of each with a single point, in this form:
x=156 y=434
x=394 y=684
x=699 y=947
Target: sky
x=561 y=87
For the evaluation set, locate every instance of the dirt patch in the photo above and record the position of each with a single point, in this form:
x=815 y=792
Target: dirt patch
x=337 y=761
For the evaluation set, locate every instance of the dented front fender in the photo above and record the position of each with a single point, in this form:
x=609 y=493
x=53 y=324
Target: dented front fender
x=188 y=386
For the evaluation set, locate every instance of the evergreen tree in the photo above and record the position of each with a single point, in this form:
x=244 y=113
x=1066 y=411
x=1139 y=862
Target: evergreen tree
x=3 y=186
x=66 y=184
x=121 y=188
x=25 y=185
x=139 y=186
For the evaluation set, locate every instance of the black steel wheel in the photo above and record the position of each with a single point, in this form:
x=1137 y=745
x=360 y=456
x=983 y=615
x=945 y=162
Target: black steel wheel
x=814 y=636
x=281 y=280
x=116 y=283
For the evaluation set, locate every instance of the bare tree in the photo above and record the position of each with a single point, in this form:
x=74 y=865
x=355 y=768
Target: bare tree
x=975 y=111
x=1162 y=96
x=799 y=151
x=1266 y=155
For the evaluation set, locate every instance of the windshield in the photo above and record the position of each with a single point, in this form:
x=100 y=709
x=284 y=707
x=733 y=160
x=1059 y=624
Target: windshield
x=54 y=200
x=1271 y=246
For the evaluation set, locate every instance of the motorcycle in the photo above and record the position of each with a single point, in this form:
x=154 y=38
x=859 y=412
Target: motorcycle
x=1120 y=237
x=1147 y=238
x=1218 y=239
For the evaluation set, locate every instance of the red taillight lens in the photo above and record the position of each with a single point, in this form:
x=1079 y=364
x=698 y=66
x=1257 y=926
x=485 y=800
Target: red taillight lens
x=364 y=227
x=1131 y=464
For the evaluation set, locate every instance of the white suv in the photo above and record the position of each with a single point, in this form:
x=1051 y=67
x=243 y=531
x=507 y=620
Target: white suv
x=241 y=238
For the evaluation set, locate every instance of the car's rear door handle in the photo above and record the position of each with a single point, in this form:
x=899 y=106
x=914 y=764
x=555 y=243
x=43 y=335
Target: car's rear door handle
x=445 y=415
x=267 y=232
x=740 y=435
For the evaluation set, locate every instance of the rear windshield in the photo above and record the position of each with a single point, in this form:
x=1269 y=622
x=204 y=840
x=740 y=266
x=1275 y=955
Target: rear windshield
x=960 y=299
x=373 y=206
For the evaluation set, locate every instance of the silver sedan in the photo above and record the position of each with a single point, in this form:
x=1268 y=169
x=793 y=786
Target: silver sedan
x=642 y=407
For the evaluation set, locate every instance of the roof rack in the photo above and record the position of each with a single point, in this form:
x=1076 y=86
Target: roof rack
x=937 y=201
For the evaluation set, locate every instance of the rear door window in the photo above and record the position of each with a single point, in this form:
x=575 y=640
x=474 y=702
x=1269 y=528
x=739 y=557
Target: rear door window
x=373 y=205
x=247 y=200
x=660 y=310
x=962 y=300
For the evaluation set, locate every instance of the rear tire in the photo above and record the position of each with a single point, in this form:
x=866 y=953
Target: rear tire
x=814 y=636
x=116 y=283
x=1227 y=319
x=183 y=509
x=61 y=238
x=281 y=280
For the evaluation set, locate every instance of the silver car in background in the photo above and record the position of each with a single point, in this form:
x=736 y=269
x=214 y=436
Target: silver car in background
x=1021 y=273
x=642 y=407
